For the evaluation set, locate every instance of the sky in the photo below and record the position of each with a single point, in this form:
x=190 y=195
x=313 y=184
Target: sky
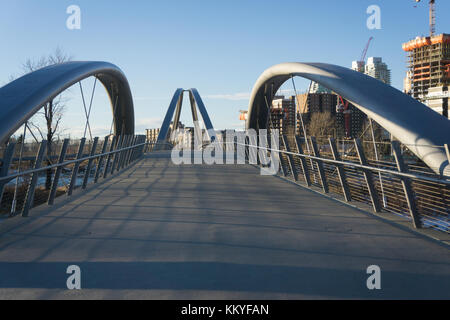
x=218 y=47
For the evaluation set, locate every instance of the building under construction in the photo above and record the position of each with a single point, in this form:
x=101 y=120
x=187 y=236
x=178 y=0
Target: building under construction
x=428 y=78
x=283 y=115
x=310 y=103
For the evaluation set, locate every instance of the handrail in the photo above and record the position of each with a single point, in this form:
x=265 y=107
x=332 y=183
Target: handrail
x=355 y=165
x=66 y=163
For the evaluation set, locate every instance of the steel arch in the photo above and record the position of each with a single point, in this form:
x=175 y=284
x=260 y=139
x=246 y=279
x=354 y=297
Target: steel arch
x=22 y=98
x=175 y=109
x=411 y=122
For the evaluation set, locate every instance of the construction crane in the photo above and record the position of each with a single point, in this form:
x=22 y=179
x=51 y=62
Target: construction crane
x=432 y=16
x=366 y=49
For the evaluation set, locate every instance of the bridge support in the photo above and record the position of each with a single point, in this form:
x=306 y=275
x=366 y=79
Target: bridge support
x=406 y=185
x=341 y=171
x=175 y=108
x=368 y=176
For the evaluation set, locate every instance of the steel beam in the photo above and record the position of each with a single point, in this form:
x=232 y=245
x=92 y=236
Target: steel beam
x=123 y=154
x=91 y=161
x=76 y=167
x=178 y=112
x=55 y=183
x=117 y=154
x=206 y=120
x=163 y=133
x=406 y=183
x=368 y=176
x=303 y=163
x=100 y=160
x=320 y=167
x=29 y=198
x=290 y=158
x=6 y=162
x=341 y=171
x=129 y=156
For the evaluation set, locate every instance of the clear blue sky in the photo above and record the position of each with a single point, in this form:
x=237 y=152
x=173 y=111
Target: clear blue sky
x=219 y=47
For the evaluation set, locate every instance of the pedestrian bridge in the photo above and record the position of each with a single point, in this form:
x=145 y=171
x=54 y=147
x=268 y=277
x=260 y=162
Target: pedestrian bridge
x=163 y=231
x=137 y=225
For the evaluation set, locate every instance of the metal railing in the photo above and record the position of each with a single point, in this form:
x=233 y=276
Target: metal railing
x=19 y=191
x=411 y=191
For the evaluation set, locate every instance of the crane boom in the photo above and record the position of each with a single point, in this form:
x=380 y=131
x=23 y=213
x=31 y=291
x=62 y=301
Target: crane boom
x=432 y=17
x=366 y=49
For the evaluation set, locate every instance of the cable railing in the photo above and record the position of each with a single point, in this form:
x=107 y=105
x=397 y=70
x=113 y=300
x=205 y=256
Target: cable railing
x=32 y=181
x=411 y=191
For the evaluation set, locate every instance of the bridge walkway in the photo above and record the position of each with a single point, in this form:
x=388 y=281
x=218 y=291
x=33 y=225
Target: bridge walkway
x=160 y=231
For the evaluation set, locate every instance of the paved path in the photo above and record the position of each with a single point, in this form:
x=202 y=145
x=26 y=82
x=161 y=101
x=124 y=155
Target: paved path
x=160 y=231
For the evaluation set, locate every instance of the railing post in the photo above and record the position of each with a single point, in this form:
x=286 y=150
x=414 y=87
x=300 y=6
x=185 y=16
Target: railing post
x=247 y=149
x=124 y=152
x=303 y=161
x=128 y=153
x=322 y=176
x=29 y=198
x=76 y=167
x=290 y=158
x=91 y=161
x=253 y=149
x=117 y=154
x=6 y=162
x=276 y=154
x=262 y=154
x=4 y=169
x=341 y=171
x=55 y=183
x=140 y=148
x=139 y=141
x=146 y=147
x=402 y=167
x=100 y=161
x=133 y=140
x=280 y=158
x=447 y=151
x=368 y=176
x=132 y=152
x=109 y=158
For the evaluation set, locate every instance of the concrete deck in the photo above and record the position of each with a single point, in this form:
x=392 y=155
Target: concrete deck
x=160 y=231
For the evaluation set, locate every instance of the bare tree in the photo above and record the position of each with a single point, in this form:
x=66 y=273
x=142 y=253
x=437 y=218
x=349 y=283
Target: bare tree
x=322 y=124
x=52 y=112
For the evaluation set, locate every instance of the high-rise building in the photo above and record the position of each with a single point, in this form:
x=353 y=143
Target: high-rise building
x=376 y=68
x=310 y=103
x=283 y=115
x=318 y=88
x=429 y=71
x=358 y=66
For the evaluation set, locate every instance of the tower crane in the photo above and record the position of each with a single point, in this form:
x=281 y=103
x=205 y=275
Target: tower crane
x=366 y=49
x=432 y=16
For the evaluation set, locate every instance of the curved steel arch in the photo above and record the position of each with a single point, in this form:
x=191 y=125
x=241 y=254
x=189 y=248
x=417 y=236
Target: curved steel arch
x=408 y=120
x=22 y=98
x=175 y=109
